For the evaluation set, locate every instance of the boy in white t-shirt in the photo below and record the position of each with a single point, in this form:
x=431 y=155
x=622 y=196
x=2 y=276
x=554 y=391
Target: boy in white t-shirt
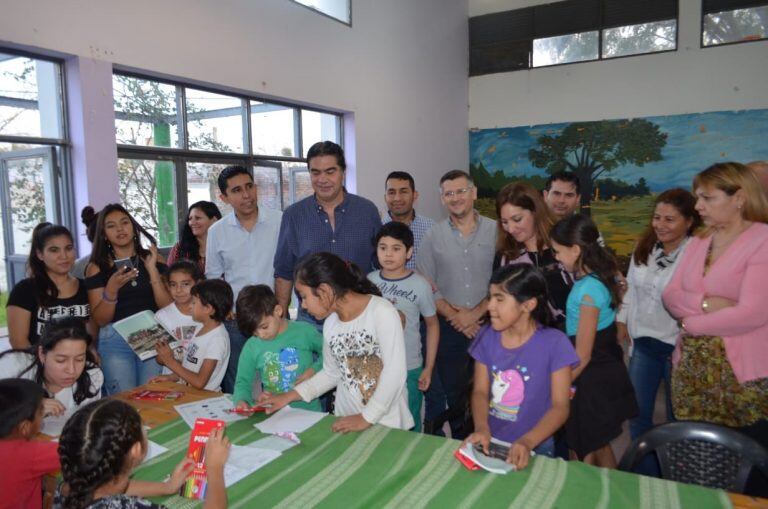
x=176 y=317
x=206 y=357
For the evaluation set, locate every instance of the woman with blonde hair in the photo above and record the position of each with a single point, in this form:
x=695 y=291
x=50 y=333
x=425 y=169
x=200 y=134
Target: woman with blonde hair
x=718 y=293
x=524 y=222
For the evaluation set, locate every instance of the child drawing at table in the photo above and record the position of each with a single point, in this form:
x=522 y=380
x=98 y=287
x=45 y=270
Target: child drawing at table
x=602 y=382
x=176 y=317
x=23 y=461
x=522 y=367
x=206 y=357
x=363 y=347
x=101 y=445
x=283 y=352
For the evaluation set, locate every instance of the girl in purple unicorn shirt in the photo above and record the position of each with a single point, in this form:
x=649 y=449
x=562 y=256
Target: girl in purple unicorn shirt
x=522 y=380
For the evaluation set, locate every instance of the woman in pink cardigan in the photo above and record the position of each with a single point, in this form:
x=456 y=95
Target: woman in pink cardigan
x=719 y=292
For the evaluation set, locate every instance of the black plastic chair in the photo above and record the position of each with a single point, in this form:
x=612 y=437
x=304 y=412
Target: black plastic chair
x=699 y=453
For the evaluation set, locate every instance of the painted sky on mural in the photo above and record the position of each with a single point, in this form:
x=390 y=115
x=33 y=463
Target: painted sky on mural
x=694 y=142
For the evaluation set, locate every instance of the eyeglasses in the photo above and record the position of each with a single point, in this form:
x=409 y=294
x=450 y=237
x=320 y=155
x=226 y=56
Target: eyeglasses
x=458 y=192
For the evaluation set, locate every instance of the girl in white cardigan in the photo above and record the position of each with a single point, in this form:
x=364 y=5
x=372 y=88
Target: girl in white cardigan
x=363 y=347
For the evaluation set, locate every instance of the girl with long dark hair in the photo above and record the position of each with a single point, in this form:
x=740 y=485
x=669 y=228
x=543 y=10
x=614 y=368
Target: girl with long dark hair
x=604 y=396
x=194 y=234
x=62 y=363
x=363 y=347
x=115 y=293
x=49 y=291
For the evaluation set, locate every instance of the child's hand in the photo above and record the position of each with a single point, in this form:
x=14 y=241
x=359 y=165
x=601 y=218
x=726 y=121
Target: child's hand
x=519 y=454
x=350 y=423
x=309 y=373
x=164 y=353
x=242 y=405
x=53 y=407
x=179 y=475
x=274 y=402
x=216 y=450
x=481 y=438
x=425 y=379
x=163 y=378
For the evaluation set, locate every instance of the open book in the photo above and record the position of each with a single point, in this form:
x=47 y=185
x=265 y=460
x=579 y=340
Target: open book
x=141 y=331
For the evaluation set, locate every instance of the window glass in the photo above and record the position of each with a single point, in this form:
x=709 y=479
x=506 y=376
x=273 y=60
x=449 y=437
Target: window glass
x=339 y=9
x=214 y=122
x=30 y=97
x=273 y=129
x=740 y=25
x=148 y=192
x=202 y=184
x=316 y=126
x=145 y=112
x=563 y=49
x=637 y=39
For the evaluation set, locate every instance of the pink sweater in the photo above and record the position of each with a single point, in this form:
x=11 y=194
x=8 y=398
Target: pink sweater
x=739 y=274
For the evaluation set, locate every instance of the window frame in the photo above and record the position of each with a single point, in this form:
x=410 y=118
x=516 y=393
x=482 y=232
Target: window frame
x=184 y=155
x=325 y=14
x=703 y=14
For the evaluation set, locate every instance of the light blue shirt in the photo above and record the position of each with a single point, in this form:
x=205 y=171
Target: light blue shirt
x=243 y=257
x=590 y=286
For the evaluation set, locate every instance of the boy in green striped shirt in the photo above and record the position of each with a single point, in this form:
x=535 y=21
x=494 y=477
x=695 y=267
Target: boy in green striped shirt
x=283 y=352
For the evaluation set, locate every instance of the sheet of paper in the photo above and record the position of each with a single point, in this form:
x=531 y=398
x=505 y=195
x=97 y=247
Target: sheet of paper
x=290 y=419
x=244 y=460
x=274 y=443
x=53 y=425
x=213 y=408
x=153 y=450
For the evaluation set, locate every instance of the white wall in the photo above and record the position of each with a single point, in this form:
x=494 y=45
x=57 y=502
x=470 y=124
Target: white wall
x=689 y=80
x=401 y=69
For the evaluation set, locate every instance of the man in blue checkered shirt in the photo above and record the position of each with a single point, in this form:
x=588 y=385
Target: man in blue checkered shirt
x=331 y=220
x=400 y=194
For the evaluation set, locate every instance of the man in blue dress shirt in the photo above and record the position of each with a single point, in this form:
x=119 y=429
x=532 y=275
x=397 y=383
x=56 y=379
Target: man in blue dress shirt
x=331 y=220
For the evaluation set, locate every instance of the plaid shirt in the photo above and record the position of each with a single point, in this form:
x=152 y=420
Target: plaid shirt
x=305 y=230
x=419 y=227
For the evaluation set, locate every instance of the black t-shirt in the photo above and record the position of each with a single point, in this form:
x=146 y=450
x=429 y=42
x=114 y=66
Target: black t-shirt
x=24 y=295
x=130 y=299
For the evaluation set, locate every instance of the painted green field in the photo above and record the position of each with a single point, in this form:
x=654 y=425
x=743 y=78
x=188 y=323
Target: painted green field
x=620 y=222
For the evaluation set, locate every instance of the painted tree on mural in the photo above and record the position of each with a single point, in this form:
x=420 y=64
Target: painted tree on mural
x=590 y=149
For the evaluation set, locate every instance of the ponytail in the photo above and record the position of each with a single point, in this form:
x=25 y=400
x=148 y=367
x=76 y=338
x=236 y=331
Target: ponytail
x=329 y=269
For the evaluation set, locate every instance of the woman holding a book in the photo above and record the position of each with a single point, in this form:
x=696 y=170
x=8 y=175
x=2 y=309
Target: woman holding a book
x=123 y=278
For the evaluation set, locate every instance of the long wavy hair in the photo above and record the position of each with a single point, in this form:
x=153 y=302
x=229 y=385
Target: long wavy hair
x=528 y=198
x=580 y=230
x=103 y=256
x=58 y=330
x=189 y=246
x=46 y=290
x=685 y=203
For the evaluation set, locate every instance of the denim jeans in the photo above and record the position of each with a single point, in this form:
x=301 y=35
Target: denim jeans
x=546 y=448
x=650 y=364
x=123 y=370
x=236 y=344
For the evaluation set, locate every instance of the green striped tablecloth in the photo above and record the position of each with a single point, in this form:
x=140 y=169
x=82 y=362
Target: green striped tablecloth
x=388 y=468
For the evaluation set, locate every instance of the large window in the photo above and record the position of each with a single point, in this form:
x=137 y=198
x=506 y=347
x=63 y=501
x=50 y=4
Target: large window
x=173 y=140
x=570 y=31
x=32 y=163
x=733 y=21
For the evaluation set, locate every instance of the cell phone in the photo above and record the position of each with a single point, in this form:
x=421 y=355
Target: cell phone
x=122 y=263
x=495 y=450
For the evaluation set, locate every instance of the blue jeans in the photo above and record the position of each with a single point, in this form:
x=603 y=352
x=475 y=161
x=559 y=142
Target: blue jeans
x=236 y=344
x=123 y=370
x=546 y=448
x=651 y=363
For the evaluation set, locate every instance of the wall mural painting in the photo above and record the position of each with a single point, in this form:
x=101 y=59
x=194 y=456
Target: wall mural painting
x=622 y=164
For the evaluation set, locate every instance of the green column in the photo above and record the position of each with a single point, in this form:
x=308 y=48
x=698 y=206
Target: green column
x=164 y=196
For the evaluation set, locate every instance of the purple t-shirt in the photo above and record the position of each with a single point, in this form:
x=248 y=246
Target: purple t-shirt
x=520 y=378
